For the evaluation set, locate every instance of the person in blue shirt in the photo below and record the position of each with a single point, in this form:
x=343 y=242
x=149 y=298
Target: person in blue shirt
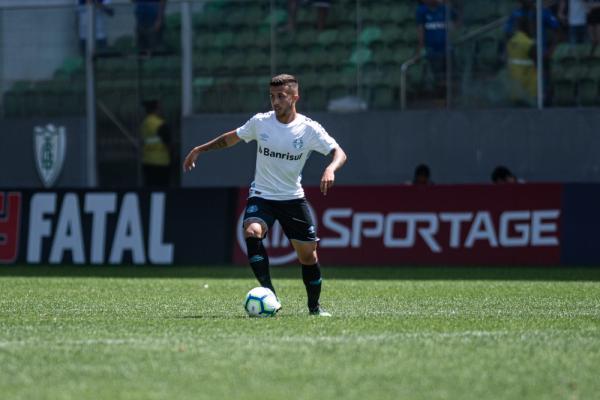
x=149 y=16
x=431 y=21
x=102 y=10
x=528 y=10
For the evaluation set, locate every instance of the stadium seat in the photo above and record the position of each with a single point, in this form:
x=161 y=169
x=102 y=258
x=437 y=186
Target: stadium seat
x=327 y=37
x=402 y=14
x=315 y=98
x=382 y=97
x=360 y=56
x=588 y=92
x=564 y=92
x=370 y=34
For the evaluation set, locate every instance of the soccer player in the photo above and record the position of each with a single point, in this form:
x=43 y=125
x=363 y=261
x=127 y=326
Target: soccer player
x=285 y=140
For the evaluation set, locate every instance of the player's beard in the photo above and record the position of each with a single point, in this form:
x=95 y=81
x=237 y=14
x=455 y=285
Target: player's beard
x=283 y=112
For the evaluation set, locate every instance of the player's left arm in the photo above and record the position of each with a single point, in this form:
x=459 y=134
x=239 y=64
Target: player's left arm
x=339 y=158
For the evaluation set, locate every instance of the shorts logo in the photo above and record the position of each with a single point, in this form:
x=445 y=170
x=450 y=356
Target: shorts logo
x=252 y=209
x=311 y=229
x=298 y=143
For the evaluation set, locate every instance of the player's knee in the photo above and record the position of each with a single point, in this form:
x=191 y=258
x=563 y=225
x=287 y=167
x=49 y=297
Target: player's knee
x=308 y=258
x=254 y=230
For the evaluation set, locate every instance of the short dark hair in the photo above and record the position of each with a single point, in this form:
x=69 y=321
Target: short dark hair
x=150 y=105
x=501 y=174
x=422 y=170
x=283 y=80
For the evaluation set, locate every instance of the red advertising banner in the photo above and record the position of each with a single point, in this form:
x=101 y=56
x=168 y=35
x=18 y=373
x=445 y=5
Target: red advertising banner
x=444 y=224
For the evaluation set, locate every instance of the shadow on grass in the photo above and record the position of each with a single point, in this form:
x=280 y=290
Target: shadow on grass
x=293 y=271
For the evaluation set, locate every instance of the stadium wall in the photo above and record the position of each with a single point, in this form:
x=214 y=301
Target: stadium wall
x=519 y=224
x=20 y=161
x=557 y=145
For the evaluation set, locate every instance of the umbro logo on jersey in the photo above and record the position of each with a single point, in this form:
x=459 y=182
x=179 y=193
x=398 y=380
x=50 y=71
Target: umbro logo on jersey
x=284 y=156
x=264 y=137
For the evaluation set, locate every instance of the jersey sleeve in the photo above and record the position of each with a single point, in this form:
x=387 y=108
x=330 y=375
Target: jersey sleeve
x=321 y=141
x=247 y=132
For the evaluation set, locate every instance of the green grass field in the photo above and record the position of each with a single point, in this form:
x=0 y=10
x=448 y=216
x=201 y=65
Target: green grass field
x=403 y=333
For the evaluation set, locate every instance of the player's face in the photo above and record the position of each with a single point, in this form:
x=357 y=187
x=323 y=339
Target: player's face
x=283 y=99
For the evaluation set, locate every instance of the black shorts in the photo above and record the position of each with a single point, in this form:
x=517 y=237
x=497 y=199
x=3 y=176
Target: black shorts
x=293 y=216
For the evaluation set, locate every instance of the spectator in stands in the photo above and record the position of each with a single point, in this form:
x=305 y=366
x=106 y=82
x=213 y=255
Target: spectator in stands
x=501 y=174
x=593 y=21
x=322 y=7
x=422 y=175
x=549 y=22
x=431 y=21
x=156 y=141
x=101 y=12
x=522 y=70
x=573 y=13
x=550 y=25
x=150 y=18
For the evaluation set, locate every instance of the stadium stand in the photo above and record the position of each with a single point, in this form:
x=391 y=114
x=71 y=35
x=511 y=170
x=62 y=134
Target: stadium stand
x=359 y=53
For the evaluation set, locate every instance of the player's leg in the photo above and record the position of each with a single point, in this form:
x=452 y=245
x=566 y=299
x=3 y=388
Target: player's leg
x=311 y=272
x=257 y=220
x=298 y=225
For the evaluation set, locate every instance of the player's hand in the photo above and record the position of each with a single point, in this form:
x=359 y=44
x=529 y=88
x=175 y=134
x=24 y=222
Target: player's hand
x=190 y=160
x=327 y=180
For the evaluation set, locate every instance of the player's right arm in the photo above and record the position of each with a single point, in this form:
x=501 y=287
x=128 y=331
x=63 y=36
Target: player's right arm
x=227 y=139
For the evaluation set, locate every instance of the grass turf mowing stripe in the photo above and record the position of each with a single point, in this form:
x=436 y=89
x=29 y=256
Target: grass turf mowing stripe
x=502 y=334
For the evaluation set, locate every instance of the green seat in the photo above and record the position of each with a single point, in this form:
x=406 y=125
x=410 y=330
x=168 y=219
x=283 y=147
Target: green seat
x=209 y=63
x=278 y=17
x=327 y=37
x=307 y=37
x=402 y=14
x=347 y=36
x=564 y=92
x=369 y=35
x=392 y=33
x=245 y=39
x=299 y=61
x=315 y=98
x=361 y=56
x=223 y=40
x=71 y=67
x=124 y=43
x=588 y=92
x=258 y=62
x=382 y=97
x=254 y=15
x=376 y=14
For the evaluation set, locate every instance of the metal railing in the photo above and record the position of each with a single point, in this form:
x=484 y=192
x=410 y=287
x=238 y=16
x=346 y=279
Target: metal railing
x=412 y=61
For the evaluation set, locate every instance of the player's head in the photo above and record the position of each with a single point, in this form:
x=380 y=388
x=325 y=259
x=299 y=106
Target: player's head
x=524 y=25
x=431 y=3
x=284 y=94
x=527 y=3
x=501 y=174
x=422 y=175
x=151 y=106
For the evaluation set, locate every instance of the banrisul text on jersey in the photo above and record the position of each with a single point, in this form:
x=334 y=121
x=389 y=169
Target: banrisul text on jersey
x=284 y=156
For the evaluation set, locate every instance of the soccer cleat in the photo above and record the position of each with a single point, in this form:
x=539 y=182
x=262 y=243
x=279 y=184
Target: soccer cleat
x=320 y=312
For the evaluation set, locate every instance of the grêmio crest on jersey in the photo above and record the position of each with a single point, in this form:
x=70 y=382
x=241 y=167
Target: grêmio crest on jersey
x=49 y=144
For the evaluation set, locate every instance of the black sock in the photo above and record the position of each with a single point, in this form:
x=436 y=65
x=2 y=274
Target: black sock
x=259 y=261
x=311 y=275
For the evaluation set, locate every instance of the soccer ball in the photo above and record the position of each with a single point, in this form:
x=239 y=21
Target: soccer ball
x=261 y=302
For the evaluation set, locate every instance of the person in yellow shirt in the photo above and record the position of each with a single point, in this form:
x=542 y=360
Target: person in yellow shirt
x=522 y=70
x=156 y=139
